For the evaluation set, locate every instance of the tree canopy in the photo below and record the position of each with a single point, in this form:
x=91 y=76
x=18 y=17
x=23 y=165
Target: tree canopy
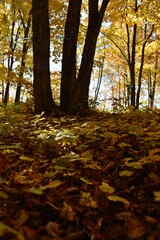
x=116 y=67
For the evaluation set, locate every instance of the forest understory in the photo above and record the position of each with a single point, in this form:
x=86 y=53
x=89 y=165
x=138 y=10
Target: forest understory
x=95 y=177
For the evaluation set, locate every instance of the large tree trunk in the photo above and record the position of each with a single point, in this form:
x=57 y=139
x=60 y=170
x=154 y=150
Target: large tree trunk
x=74 y=91
x=83 y=81
x=69 y=55
x=41 y=54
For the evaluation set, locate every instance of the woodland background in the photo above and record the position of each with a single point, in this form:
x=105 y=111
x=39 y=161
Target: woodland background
x=126 y=63
x=67 y=170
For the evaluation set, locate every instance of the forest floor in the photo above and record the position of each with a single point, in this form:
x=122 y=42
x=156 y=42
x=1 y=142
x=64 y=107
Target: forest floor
x=95 y=177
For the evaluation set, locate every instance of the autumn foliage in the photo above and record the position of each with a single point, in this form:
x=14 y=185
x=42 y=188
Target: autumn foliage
x=93 y=177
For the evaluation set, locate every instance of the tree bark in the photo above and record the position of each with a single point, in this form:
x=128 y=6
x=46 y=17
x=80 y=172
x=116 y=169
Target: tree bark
x=94 y=25
x=43 y=99
x=24 y=52
x=142 y=63
x=69 y=55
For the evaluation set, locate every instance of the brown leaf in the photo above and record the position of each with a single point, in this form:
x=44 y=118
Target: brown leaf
x=29 y=233
x=53 y=229
x=74 y=236
x=67 y=213
x=155 y=235
x=3 y=162
x=133 y=226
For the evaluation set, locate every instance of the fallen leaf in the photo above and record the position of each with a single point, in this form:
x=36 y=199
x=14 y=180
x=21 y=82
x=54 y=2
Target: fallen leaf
x=3 y=195
x=126 y=173
x=105 y=187
x=157 y=196
x=134 y=228
x=118 y=199
x=52 y=184
x=3 y=162
x=53 y=229
x=67 y=213
x=5 y=228
x=33 y=190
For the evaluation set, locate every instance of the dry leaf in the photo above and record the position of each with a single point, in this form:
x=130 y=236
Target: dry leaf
x=134 y=227
x=67 y=213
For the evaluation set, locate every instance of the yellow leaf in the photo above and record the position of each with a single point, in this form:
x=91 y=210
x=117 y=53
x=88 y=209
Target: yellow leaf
x=37 y=191
x=52 y=184
x=157 y=196
x=3 y=195
x=25 y=158
x=105 y=187
x=115 y=198
x=5 y=228
x=126 y=173
x=85 y=180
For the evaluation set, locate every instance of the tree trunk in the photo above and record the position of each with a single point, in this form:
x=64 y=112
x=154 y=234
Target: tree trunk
x=6 y=95
x=154 y=81
x=140 y=76
x=43 y=99
x=69 y=55
x=74 y=91
x=142 y=63
x=132 y=66
x=24 y=52
x=95 y=20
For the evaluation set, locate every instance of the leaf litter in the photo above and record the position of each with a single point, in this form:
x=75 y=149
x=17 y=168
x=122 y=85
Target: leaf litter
x=93 y=177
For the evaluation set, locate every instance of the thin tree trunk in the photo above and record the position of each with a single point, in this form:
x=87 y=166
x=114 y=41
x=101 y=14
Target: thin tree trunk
x=12 y=46
x=142 y=63
x=154 y=81
x=24 y=52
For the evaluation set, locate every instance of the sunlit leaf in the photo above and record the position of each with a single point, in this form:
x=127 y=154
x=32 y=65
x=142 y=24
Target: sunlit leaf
x=33 y=190
x=26 y=158
x=87 y=200
x=105 y=187
x=86 y=180
x=126 y=173
x=123 y=145
x=136 y=165
x=118 y=199
x=157 y=196
x=52 y=184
